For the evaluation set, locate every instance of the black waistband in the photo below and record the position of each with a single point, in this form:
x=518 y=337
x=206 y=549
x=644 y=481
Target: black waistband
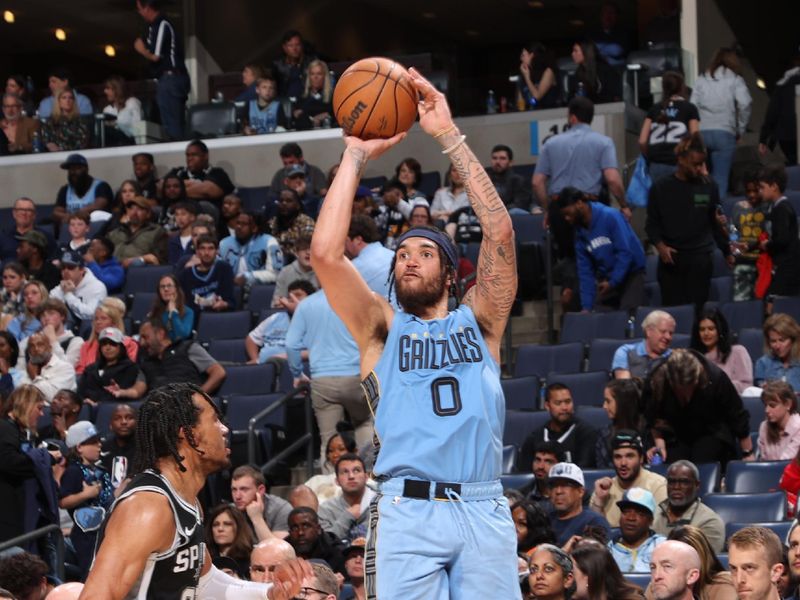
x=414 y=488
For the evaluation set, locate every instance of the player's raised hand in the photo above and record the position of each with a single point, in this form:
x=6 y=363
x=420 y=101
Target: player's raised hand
x=372 y=148
x=434 y=112
x=288 y=578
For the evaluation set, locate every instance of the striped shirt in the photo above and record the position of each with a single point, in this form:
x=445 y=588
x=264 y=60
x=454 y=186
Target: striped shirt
x=163 y=41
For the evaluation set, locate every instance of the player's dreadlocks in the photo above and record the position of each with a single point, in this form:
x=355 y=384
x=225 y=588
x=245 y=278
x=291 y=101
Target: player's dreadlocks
x=167 y=411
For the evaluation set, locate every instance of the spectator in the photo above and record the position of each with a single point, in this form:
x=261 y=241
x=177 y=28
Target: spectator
x=793 y=541
x=390 y=219
x=267 y=514
x=295 y=180
x=170 y=307
x=569 y=518
x=369 y=256
x=783 y=245
x=65 y=408
x=299 y=270
x=576 y=438
x=100 y=260
x=633 y=548
x=665 y=124
x=24 y=576
x=340 y=443
x=122 y=441
x=594 y=77
x=664 y=27
x=724 y=105
x=536 y=85
x=510 y=186
x=109 y=313
x=113 y=376
x=346 y=515
x=16 y=84
x=64 y=344
x=613 y=42
x=694 y=411
x=268 y=339
x=291 y=154
x=78 y=229
x=265 y=557
x=291 y=68
x=250 y=76
x=123 y=113
x=674 y=571
x=231 y=209
x=780 y=122
x=31 y=253
x=714 y=581
x=85 y=491
x=265 y=112
x=750 y=219
x=302 y=495
x=227 y=534
x=354 y=567
x=24 y=215
x=684 y=507
x=787 y=584
x=144 y=171
x=449 y=198
x=779 y=432
x=173 y=193
x=190 y=258
x=44 y=370
x=10 y=376
x=183 y=361
x=18 y=128
x=290 y=224
x=324 y=582
x=621 y=402
x=597 y=575
x=314 y=110
x=310 y=541
x=683 y=229
x=610 y=257
x=781 y=360
x=208 y=285
x=83 y=194
x=139 y=242
x=65 y=130
x=755 y=559
x=546 y=455
x=636 y=359
x=551 y=573
x=79 y=289
x=203 y=182
x=254 y=257
x=711 y=337
x=11 y=301
x=127 y=191
x=163 y=49
x=533 y=527
x=27 y=322
x=59 y=80
x=409 y=174
x=628 y=456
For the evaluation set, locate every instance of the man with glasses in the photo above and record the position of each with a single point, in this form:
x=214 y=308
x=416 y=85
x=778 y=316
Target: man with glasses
x=24 y=215
x=266 y=555
x=203 y=182
x=684 y=507
x=79 y=289
x=83 y=194
x=139 y=242
x=321 y=586
x=19 y=128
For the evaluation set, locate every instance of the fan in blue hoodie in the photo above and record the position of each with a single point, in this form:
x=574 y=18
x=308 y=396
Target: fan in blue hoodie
x=610 y=256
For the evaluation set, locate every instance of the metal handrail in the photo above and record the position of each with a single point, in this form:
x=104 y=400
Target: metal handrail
x=307 y=439
x=35 y=535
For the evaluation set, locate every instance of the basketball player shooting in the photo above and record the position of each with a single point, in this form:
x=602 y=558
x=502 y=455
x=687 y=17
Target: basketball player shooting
x=440 y=527
x=151 y=546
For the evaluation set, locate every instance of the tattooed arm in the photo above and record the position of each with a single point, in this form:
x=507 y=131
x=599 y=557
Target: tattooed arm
x=496 y=284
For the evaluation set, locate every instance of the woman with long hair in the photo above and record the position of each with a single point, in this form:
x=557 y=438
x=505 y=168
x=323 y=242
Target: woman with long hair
x=11 y=301
x=228 y=534
x=123 y=112
x=10 y=376
x=533 y=526
x=173 y=190
x=779 y=432
x=621 y=402
x=451 y=197
x=594 y=78
x=65 y=130
x=711 y=336
x=665 y=124
x=597 y=576
x=550 y=574
x=25 y=324
x=536 y=86
x=409 y=173
x=343 y=442
x=170 y=307
x=109 y=313
x=314 y=106
x=781 y=360
x=724 y=104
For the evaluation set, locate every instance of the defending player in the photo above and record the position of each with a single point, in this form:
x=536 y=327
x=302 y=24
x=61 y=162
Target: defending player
x=151 y=546
x=440 y=527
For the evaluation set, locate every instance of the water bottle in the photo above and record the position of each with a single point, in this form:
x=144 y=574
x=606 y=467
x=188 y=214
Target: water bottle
x=630 y=328
x=581 y=91
x=532 y=101
x=271 y=122
x=491 y=103
x=37 y=143
x=657 y=459
x=733 y=238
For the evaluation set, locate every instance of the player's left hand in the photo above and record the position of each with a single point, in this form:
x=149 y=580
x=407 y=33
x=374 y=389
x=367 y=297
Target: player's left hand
x=288 y=578
x=434 y=112
x=372 y=148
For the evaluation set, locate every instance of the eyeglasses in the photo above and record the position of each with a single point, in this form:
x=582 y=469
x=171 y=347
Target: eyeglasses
x=166 y=286
x=68 y=267
x=262 y=569
x=303 y=595
x=12 y=105
x=680 y=481
x=28 y=210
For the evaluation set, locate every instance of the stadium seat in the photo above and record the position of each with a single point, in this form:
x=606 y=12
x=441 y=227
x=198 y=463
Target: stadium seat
x=521 y=393
x=723 y=559
x=102 y=419
x=651 y=268
x=509 y=458
x=260 y=297
x=228 y=351
x=781 y=528
x=743 y=477
x=213 y=119
x=793 y=196
x=223 y=326
x=793 y=178
x=141 y=305
x=514 y=481
x=681 y=340
x=525 y=171
x=753 y=340
x=787 y=304
x=347 y=592
x=248 y=379
x=601 y=353
x=592 y=475
x=748 y=508
x=720 y=265
x=755 y=407
x=683 y=315
x=144 y=279
x=595 y=417
x=652 y=294
x=584 y=327
x=238 y=412
x=640 y=579
x=374 y=182
x=743 y=314
x=528 y=228
x=540 y=359
x=430 y=182
x=587 y=388
x=709 y=475
x=47 y=419
x=254 y=199
x=721 y=289
x=521 y=423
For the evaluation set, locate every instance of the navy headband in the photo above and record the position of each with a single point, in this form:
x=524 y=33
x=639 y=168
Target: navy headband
x=439 y=238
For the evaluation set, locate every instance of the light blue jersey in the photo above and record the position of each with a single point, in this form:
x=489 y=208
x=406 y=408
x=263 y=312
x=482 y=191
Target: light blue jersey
x=440 y=407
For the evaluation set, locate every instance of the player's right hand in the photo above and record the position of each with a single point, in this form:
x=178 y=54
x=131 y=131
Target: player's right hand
x=434 y=112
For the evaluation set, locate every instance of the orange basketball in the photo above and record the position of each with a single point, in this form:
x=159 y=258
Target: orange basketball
x=375 y=98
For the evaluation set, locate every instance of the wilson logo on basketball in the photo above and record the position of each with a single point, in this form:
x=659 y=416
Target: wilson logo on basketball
x=352 y=118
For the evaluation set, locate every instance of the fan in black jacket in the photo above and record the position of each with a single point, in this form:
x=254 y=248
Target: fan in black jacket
x=783 y=245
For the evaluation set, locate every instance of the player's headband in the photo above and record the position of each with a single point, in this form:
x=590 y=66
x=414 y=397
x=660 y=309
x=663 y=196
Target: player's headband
x=438 y=237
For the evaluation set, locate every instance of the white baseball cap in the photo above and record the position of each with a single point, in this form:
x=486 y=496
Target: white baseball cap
x=81 y=432
x=568 y=471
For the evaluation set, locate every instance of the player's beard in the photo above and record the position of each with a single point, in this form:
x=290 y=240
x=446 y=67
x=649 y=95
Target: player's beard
x=414 y=301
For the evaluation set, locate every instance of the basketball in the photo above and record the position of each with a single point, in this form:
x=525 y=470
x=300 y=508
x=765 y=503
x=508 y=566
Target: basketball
x=375 y=98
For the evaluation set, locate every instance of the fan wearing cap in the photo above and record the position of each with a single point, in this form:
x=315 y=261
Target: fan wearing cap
x=113 y=376
x=633 y=547
x=85 y=485
x=627 y=453
x=354 y=565
x=65 y=344
x=290 y=223
x=32 y=253
x=83 y=194
x=296 y=180
x=79 y=289
x=139 y=242
x=569 y=518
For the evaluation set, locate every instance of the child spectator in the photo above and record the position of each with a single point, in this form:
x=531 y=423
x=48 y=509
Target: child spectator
x=749 y=217
x=185 y=215
x=78 y=234
x=208 y=285
x=779 y=432
x=265 y=113
x=100 y=260
x=783 y=245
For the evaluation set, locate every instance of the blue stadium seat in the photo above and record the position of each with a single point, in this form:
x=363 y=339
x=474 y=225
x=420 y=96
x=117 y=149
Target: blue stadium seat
x=709 y=475
x=787 y=304
x=755 y=407
x=514 y=481
x=254 y=199
x=743 y=314
x=223 y=326
x=748 y=508
x=47 y=419
x=521 y=423
x=781 y=528
x=640 y=579
x=430 y=182
x=584 y=327
x=239 y=410
x=753 y=340
x=347 y=592
x=592 y=475
x=374 y=182
x=522 y=393
x=228 y=351
x=248 y=379
x=723 y=559
x=721 y=289
x=683 y=315
x=587 y=388
x=102 y=419
x=743 y=477
x=260 y=297
x=509 y=458
x=144 y=279
x=651 y=268
x=141 y=305
x=793 y=177
x=595 y=417
x=540 y=359
x=528 y=228
x=601 y=353
x=720 y=265
x=652 y=294
x=793 y=196
x=681 y=340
